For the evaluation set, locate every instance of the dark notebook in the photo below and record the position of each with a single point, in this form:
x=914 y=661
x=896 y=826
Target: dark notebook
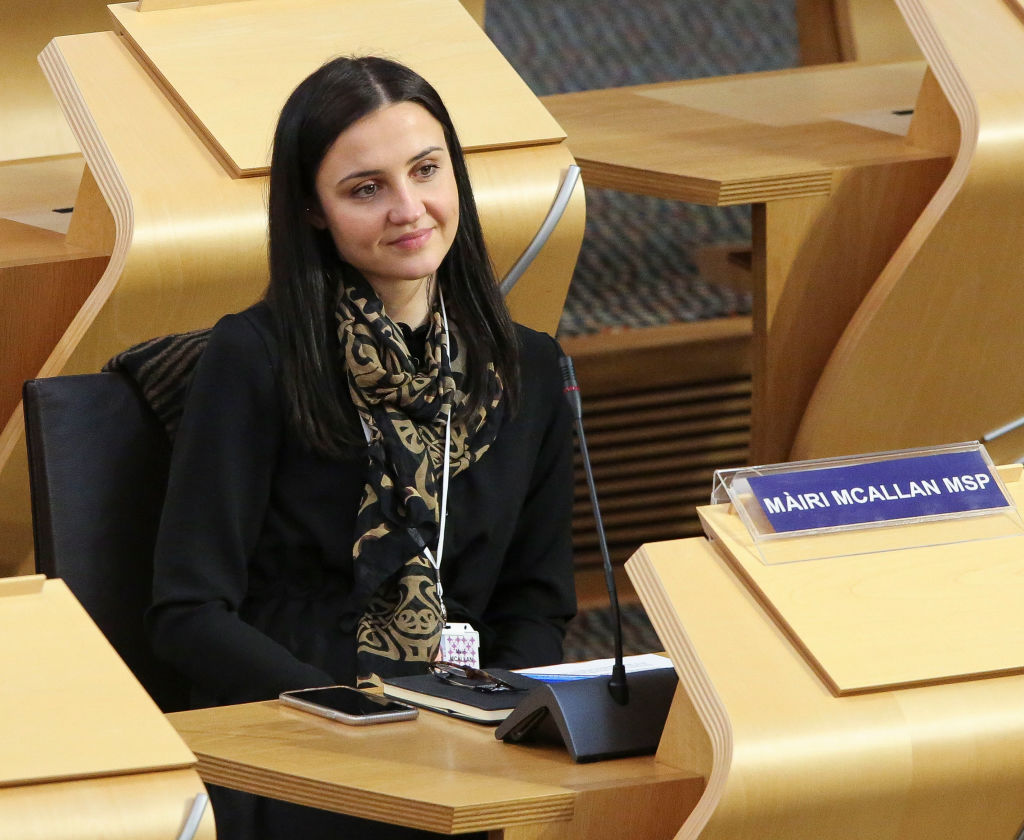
x=429 y=692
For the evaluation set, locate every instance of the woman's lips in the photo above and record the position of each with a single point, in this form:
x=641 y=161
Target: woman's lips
x=412 y=240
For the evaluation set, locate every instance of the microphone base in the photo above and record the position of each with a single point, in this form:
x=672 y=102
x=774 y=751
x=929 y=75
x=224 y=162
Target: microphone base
x=583 y=715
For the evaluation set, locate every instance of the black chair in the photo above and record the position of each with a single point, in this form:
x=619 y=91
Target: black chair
x=98 y=460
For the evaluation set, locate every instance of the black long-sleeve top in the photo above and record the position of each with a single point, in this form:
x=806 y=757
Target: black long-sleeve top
x=253 y=565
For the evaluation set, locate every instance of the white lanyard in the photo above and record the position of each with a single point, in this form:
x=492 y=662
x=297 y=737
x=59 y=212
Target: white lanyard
x=435 y=557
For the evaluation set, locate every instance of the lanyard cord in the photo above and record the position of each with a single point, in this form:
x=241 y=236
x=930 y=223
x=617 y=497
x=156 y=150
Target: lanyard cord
x=435 y=557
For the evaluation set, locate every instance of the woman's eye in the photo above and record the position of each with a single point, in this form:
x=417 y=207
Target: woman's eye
x=365 y=191
x=428 y=169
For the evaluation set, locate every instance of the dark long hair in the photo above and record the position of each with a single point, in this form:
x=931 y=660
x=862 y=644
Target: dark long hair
x=305 y=268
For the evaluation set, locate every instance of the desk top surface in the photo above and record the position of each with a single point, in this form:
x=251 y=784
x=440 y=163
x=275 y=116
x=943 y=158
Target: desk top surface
x=745 y=138
x=230 y=66
x=69 y=707
x=433 y=772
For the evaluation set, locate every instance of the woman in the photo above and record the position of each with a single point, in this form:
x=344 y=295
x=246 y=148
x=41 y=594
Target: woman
x=304 y=521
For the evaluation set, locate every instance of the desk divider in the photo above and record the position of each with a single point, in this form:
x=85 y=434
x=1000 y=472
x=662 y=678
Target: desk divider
x=85 y=750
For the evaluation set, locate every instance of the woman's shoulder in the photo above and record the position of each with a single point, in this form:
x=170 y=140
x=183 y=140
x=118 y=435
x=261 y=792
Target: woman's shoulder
x=540 y=375
x=536 y=349
x=243 y=334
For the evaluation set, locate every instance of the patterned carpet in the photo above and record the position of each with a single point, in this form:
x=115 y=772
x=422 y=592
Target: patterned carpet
x=637 y=266
x=591 y=634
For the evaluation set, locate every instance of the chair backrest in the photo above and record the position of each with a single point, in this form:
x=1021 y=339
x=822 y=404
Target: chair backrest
x=98 y=460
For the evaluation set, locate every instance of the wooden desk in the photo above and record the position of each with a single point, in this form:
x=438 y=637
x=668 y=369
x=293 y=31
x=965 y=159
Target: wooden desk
x=86 y=752
x=835 y=182
x=436 y=773
x=787 y=759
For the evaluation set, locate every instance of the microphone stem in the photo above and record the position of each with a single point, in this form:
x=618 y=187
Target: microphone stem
x=609 y=576
x=617 y=686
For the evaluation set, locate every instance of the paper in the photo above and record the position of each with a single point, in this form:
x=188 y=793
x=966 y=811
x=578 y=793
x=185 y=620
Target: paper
x=597 y=667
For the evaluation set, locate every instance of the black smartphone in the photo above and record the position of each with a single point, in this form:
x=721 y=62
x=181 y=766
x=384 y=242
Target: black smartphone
x=347 y=704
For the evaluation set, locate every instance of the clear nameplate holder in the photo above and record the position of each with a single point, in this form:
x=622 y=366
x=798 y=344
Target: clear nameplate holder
x=835 y=507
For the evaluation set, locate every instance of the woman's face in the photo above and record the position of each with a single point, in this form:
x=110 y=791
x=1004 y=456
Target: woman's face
x=388 y=196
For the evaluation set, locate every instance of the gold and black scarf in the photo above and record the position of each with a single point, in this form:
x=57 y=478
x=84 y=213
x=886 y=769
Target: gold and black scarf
x=404 y=409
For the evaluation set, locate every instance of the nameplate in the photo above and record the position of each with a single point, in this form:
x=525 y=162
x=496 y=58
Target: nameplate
x=878 y=491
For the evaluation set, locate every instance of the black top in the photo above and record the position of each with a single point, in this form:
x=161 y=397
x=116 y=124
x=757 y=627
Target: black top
x=253 y=566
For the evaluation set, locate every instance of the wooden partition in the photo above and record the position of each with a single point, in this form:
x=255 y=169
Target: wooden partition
x=86 y=752
x=835 y=175
x=885 y=255
x=46 y=270
x=932 y=354
x=176 y=152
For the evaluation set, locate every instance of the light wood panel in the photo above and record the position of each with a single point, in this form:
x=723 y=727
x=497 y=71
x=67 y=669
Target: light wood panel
x=787 y=760
x=33 y=125
x=837 y=179
x=47 y=266
x=931 y=354
x=187 y=241
x=475 y=7
x=162 y=189
x=141 y=806
x=30 y=190
x=86 y=752
x=514 y=189
x=814 y=260
x=741 y=139
x=205 y=54
x=876 y=618
x=435 y=773
x=69 y=707
x=873 y=30
x=853 y=30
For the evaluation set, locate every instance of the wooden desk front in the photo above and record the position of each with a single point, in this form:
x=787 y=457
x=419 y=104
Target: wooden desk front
x=436 y=773
x=822 y=154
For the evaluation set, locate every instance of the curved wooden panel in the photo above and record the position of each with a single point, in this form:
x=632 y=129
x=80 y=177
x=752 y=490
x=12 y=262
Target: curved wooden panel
x=189 y=241
x=931 y=356
x=785 y=759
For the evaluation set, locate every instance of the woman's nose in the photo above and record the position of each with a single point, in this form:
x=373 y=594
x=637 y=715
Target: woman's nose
x=407 y=207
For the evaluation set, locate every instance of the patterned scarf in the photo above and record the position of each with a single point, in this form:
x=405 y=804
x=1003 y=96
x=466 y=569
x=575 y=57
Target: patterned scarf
x=404 y=411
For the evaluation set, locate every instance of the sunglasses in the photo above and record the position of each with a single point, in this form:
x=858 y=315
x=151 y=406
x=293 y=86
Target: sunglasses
x=466 y=677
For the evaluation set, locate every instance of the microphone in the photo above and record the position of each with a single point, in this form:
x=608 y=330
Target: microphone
x=617 y=685
x=593 y=717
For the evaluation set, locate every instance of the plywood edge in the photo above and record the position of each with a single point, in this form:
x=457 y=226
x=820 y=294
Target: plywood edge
x=22 y=585
x=677 y=746
x=542 y=806
x=666 y=355
x=111 y=186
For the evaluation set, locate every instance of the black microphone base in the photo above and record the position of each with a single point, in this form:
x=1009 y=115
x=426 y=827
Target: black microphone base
x=583 y=715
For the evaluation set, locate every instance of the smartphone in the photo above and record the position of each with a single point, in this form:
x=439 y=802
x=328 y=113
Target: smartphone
x=349 y=705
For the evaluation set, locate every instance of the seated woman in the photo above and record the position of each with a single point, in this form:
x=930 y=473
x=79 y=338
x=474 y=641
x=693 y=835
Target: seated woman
x=374 y=448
